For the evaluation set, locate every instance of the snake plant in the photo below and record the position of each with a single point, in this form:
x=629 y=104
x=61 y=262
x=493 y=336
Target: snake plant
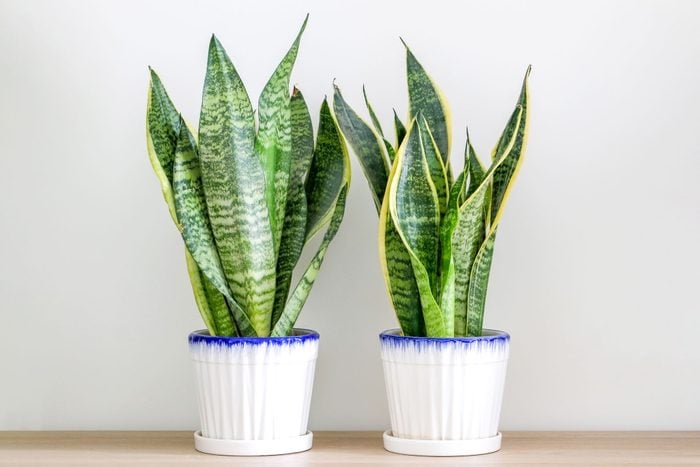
x=436 y=232
x=248 y=196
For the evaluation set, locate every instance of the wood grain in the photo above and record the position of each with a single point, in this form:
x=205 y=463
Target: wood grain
x=350 y=448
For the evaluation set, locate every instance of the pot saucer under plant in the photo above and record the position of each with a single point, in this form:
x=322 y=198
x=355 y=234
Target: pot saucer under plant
x=444 y=394
x=254 y=393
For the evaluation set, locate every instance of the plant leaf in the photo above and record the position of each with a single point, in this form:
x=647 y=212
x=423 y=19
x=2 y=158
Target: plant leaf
x=191 y=209
x=414 y=208
x=327 y=182
x=201 y=297
x=471 y=229
x=400 y=131
x=506 y=172
x=399 y=278
x=366 y=144
x=477 y=173
x=162 y=128
x=329 y=170
x=467 y=237
x=378 y=127
x=447 y=266
x=427 y=99
x=372 y=115
x=234 y=185
x=507 y=159
x=478 y=284
x=285 y=324
x=438 y=174
x=273 y=143
x=294 y=232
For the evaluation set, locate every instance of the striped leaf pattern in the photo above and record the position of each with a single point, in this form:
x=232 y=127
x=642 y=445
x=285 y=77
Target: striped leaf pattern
x=400 y=280
x=366 y=144
x=414 y=208
x=436 y=235
x=378 y=127
x=438 y=174
x=478 y=283
x=246 y=200
x=467 y=238
x=447 y=260
x=201 y=295
x=507 y=170
x=372 y=115
x=476 y=170
x=400 y=130
x=328 y=179
x=507 y=159
x=427 y=99
x=162 y=130
x=328 y=173
x=234 y=184
x=191 y=209
x=294 y=232
x=398 y=275
x=301 y=292
x=273 y=141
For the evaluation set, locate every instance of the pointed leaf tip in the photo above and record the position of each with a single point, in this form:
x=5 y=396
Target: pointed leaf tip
x=215 y=43
x=153 y=74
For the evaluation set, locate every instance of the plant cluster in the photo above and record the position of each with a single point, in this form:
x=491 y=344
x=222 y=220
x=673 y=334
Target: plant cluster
x=248 y=193
x=436 y=232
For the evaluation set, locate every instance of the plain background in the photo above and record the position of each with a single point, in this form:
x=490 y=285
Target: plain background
x=596 y=267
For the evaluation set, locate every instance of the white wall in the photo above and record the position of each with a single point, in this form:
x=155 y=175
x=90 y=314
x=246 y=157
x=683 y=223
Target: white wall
x=596 y=270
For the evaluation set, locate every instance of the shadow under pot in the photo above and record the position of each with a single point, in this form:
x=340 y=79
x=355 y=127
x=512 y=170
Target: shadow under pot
x=254 y=393
x=444 y=394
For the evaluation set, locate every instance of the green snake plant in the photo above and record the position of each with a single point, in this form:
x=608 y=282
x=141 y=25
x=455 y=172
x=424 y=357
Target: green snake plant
x=436 y=232
x=249 y=193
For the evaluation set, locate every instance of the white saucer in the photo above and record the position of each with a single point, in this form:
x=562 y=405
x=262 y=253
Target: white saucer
x=426 y=447
x=265 y=447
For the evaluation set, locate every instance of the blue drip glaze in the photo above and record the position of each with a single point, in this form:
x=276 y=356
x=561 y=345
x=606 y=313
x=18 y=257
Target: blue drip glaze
x=492 y=336
x=299 y=336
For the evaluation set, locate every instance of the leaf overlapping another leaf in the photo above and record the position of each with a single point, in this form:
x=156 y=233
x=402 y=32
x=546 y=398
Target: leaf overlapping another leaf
x=294 y=231
x=234 y=185
x=273 y=140
x=162 y=131
x=326 y=187
x=444 y=262
x=415 y=211
x=366 y=144
x=246 y=202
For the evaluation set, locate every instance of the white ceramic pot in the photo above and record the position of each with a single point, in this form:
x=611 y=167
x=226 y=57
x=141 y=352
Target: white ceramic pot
x=254 y=393
x=444 y=394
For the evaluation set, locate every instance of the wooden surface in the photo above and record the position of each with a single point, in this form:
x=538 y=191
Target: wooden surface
x=350 y=448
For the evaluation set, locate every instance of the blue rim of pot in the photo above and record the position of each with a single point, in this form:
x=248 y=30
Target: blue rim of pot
x=488 y=335
x=299 y=336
